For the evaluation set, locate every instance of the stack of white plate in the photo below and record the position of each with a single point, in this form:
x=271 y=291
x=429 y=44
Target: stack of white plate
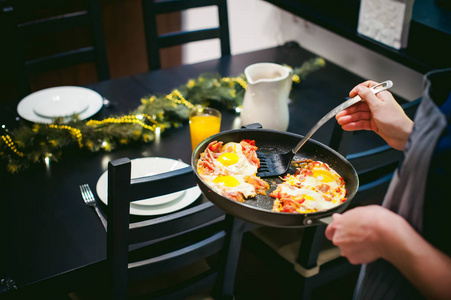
x=64 y=101
x=158 y=205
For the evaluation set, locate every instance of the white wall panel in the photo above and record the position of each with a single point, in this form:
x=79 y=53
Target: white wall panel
x=256 y=24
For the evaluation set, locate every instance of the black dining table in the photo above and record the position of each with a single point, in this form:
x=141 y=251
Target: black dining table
x=51 y=241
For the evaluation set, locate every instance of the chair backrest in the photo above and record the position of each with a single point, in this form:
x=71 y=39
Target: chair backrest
x=160 y=245
x=48 y=31
x=156 y=41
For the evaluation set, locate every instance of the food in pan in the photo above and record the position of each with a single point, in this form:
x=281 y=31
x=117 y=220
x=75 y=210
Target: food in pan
x=230 y=169
x=314 y=187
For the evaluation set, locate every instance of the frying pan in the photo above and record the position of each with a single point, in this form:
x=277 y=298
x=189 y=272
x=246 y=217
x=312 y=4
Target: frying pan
x=258 y=210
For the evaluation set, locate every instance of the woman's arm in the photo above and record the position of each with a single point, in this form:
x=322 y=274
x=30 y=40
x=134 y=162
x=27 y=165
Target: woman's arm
x=424 y=265
x=365 y=234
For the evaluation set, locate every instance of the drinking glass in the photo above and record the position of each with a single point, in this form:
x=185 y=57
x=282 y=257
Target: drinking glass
x=203 y=122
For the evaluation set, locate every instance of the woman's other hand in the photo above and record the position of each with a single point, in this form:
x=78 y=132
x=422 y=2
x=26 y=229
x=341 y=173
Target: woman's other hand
x=379 y=113
x=361 y=233
x=367 y=233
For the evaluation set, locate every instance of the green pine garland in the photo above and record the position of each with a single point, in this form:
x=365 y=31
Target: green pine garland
x=26 y=145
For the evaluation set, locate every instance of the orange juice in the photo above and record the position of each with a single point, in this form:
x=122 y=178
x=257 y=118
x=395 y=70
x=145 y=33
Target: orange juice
x=203 y=125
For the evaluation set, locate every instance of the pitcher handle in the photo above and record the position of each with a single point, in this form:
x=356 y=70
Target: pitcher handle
x=289 y=82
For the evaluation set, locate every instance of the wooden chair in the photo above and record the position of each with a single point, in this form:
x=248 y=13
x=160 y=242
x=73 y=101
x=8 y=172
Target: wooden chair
x=156 y=41
x=48 y=31
x=155 y=247
x=306 y=258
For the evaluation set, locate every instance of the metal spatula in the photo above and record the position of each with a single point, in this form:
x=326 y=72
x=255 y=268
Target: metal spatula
x=277 y=164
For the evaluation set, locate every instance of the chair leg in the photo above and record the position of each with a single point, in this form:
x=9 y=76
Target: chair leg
x=228 y=260
x=306 y=290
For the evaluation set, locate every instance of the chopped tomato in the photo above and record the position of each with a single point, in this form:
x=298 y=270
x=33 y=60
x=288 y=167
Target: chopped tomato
x=300 y=201
x=214 y=146
x=247 y=147
x=256 y=161
x=250 y=142
x=324 y=187
x=306 y=172
x=327 y=198
x=288 y=208
x=276 y=194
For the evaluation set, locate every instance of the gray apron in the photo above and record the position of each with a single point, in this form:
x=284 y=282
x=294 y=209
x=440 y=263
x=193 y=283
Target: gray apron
x=405 y=196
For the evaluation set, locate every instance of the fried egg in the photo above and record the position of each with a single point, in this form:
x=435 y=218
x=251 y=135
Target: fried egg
x=314 y=187
x=322 y=174
x=313 y=200
x=230 y=184
x=230 y=169
x=233 y=161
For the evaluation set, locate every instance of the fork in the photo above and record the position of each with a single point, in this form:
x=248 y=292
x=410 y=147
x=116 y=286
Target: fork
x=89 y=199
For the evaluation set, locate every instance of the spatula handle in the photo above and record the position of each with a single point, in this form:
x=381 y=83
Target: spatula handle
x=375 y=89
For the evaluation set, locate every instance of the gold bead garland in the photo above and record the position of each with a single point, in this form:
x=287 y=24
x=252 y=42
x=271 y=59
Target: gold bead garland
x=180 y=100
x=296 y=78
x=9 y=142
x=38 y=143
x=238 y=80
x=130 y=119
x=75 y=132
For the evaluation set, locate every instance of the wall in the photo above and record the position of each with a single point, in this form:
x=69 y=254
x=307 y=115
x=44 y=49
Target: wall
x=256 y=24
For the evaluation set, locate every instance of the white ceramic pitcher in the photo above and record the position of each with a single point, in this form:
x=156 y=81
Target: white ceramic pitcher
x=266 y=97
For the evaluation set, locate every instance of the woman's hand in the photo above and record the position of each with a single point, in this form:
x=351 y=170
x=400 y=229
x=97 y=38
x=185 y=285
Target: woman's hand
x=379 y=113
x=367 y=233
x=360 y=233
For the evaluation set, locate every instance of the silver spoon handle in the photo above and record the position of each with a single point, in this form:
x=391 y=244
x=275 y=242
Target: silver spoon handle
x=375 y=89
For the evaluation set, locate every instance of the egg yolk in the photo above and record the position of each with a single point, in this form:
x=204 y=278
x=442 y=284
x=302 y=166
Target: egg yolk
x=229 y=181
x=306 y=197
x=228 y=159
x=326 y=175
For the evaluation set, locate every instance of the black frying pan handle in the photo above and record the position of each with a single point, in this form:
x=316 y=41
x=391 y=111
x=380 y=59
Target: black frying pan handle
x=325 y=220
x=252 y=126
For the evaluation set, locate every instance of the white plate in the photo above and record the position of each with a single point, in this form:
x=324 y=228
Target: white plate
x=146 y=167
x=65 y=104
x=45 y=105
x=157 y=205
